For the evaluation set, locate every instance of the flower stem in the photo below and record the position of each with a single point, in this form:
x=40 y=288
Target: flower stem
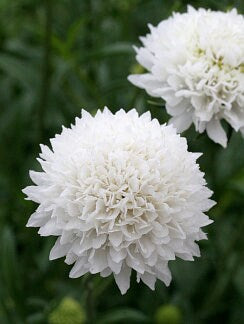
x=90 y=303
x=45 y=78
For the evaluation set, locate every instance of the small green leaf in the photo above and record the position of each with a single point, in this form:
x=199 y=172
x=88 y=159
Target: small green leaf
x=123 y=314
x=9 y=268
x=19 y=69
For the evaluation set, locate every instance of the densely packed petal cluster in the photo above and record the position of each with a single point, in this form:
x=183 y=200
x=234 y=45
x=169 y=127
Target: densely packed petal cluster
x=121 y=192
x=195 y=62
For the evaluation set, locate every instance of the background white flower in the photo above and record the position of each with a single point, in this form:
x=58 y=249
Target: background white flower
x=121 y=192
x=196 y=64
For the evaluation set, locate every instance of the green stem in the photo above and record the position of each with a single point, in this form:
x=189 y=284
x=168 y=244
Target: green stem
x=155 y=103
x=90 y=303
x=46 y=67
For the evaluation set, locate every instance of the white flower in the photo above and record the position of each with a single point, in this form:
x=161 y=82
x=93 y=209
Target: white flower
x=195 y=62
x=121 y=192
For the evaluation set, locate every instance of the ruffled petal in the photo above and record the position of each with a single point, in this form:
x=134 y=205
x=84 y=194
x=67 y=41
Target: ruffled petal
x=216 y=132
x=123 y=279
x=181 y=122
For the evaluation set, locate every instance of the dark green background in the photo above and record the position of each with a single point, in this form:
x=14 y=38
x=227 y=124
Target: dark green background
x=57 y=57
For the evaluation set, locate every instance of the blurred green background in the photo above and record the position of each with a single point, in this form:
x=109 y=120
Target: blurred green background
x=57 y=57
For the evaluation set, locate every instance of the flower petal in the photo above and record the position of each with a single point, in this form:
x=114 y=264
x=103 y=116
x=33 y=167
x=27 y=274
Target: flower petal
x=181 y=122
x=123 y=279
x=216 y=132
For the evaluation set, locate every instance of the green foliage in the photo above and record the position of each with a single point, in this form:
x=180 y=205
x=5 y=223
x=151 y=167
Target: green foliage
x=80 y=57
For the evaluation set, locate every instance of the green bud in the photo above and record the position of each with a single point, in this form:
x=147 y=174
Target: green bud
x=69 y=311
x=137 y=69
x=168 y=314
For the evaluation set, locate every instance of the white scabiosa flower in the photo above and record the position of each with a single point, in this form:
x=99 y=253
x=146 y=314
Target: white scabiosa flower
x=195 y=62
x=121 y=192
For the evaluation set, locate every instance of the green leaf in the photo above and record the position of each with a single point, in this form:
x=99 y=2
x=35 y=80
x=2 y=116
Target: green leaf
x=36 y=318
x=120 y=48
x=123 y=314
x=238 y=182
x=239 y=280
x=19 y=69
x=9 y=267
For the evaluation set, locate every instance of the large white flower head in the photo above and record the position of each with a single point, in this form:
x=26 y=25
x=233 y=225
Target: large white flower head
x=195 y=62
x=121 y=192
